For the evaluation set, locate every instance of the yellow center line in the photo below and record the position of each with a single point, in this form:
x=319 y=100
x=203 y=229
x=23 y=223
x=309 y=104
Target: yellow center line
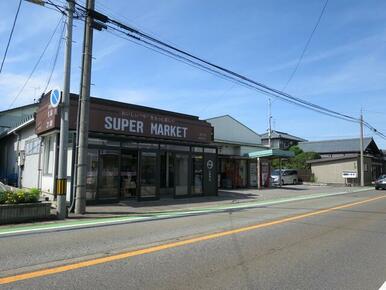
x=97 y=261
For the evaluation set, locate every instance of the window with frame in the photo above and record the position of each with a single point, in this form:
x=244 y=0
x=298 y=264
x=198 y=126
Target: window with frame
x=48 y=155
x=32 y=146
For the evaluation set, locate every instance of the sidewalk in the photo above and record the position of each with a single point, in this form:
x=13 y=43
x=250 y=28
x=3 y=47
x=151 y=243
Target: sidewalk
x=225 y=197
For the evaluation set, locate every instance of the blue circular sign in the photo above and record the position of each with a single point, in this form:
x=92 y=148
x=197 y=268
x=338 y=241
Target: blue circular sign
x=55 y=97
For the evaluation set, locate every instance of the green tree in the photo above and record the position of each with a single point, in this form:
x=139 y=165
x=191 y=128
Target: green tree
x=295 y=149
x=299 y=161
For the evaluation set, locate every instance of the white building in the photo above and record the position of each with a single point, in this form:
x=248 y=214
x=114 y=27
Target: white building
x=234 y=141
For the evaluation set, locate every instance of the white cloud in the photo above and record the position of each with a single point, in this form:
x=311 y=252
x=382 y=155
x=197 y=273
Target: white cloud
x=346 y=48
x=133 y=96
x=360 y=74
x=18 y=58
x=11 y=84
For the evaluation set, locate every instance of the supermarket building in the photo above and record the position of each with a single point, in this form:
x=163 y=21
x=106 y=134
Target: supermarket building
x=133 y=152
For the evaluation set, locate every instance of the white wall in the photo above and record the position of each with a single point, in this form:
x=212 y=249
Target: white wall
x=29 y=173
x=48 y=168
x=228 y=129
x=48 y=180
x=8 y=158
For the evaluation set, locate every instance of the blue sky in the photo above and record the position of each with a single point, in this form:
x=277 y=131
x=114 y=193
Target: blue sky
x=343 y=69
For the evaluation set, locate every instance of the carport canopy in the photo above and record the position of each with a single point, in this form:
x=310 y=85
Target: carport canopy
x=271 y=153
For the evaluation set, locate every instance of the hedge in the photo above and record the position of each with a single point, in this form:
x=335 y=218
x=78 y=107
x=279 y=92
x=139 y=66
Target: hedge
x=19 y=196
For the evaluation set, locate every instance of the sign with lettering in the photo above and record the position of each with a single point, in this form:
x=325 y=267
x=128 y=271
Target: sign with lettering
x=131 y=120
x=210 y=173
x=135 y=126
x=349 y=174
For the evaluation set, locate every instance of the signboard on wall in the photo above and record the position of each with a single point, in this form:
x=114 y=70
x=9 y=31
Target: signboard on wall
x=125 y=119
x=210 y=173
x=349 y=174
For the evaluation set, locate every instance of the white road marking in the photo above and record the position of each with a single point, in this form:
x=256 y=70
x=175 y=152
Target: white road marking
x=383 y=287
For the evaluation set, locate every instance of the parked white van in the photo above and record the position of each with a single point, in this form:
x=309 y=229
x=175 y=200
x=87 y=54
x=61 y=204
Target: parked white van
x=288 y=176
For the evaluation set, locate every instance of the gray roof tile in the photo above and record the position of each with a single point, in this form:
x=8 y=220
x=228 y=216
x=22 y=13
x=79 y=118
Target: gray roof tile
x=334 y=146
x=278 y=134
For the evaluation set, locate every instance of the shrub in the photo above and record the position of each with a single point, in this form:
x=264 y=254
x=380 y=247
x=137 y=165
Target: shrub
x=33 y=195
x=20 y=196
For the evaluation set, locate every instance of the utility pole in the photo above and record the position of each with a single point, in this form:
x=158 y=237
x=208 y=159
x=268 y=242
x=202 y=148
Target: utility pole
x=80 y=199
x=61 y=182
x=361 y=151
x=269 y=122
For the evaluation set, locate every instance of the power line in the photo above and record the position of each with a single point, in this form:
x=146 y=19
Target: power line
x=167 y=48
x=305 y=47
x=372 y=128
x=36 y=64
x=213 y=72
x=10 y=36
x=232 y=75
x=59 y=8
x=55 y=59
x=150 y=42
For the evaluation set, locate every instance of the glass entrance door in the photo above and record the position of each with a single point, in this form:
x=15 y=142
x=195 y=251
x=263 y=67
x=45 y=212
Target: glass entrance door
x=167 y=173
x=92 y=174
x=129 y=176
x=108 y=183
x=181 y=174
x=149 y=175
x=198 y=175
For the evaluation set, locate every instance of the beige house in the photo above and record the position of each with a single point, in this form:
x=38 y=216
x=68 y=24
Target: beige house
x=330 y=170
x=342 y=156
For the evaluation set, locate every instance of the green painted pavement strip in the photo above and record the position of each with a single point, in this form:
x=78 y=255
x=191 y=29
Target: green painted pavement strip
x=160 y=215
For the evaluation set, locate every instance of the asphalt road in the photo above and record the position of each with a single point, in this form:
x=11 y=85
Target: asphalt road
x=296 y=245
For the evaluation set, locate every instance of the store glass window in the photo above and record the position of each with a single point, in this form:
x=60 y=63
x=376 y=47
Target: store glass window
x=197 y=180
x=92 y=174
x=167 y=171
x=227 y=173
x=181 y=166
x=149 y=174
x=129 y=177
